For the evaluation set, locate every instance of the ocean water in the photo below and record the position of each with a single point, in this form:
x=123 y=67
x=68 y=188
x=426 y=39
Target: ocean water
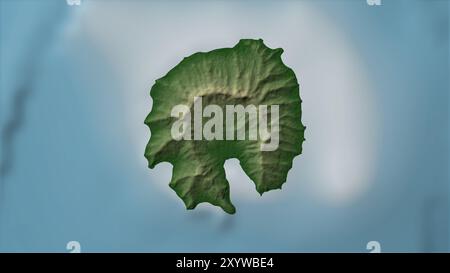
x=75 y=84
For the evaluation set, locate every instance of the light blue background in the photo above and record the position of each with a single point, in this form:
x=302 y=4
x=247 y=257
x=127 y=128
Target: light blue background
x=65 y=184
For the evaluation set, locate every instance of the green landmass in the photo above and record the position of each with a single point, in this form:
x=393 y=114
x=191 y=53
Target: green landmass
x=248 y=73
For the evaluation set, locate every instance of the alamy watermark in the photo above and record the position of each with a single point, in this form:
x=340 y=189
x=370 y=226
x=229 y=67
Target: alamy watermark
x=73 y=247
x=235 y=121
x=73 y=2
x=374 y=2
x=374 y=247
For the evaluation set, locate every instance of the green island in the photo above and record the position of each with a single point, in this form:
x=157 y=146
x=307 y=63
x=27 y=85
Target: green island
x=250 y=73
